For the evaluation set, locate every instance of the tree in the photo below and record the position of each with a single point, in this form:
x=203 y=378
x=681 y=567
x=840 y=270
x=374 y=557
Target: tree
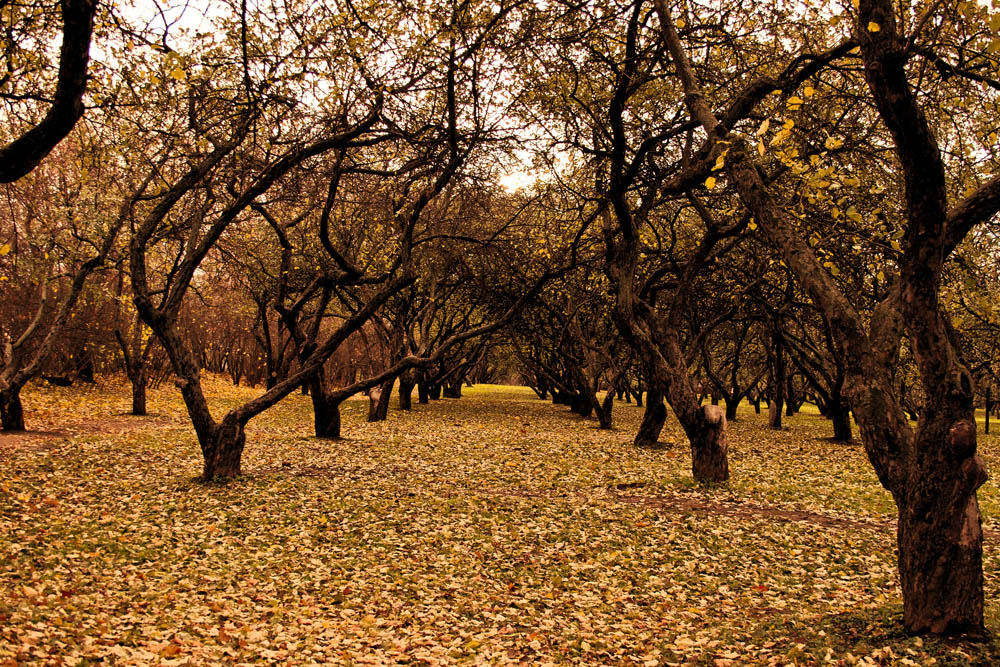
x=22 y=154
x=933 y=471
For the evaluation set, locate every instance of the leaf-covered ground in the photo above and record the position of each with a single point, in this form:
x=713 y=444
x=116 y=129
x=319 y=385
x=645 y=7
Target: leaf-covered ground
x=495 y=529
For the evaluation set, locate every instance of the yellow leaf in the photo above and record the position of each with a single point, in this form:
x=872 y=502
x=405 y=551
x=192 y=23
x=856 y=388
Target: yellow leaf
x=873 y=27
x=895 y=245
x=710 y=182
x=809 y=91
x=764 y=127
x=680 y=23
x=752 y=225
x=4 y=249
x=720 y=162
x=832 y=142
x=760 y=147
x=177 y=74
x=881 y=275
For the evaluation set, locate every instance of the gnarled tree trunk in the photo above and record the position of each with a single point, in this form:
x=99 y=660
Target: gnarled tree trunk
x=223 y=452
x=653 y=419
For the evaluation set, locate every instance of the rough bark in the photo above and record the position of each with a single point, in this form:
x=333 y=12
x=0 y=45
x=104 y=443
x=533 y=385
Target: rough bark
x=224 y=452
x=709 y=450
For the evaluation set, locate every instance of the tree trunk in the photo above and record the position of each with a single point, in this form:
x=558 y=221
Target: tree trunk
x=434 y=391
x=652 y=420
x=405 y=395
x=605 y=410
x=326 y=412
x=774 y=414
x=940 y=537
x=710 y=447
x=582 y=405
x=11 y=411
x=453 y=389
x=374 y=395
x=138 y=381
x=989 y=395
x=423 y=393
x=732 y=405
x=841 y=416
x=224 y=453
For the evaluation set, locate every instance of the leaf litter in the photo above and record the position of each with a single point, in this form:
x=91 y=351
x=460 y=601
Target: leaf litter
x=494 y=529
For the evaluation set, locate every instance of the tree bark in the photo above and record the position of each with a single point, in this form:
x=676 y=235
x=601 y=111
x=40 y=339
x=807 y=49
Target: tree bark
x=138 y=381
x=27 y=151
x=405 y=395
x=940 y=537
x=11 y=411
x=841 y=416
x=653 y=419
x=326 y=412
x=709 y=450
x=423 y=393
x=224 y=452
x=605 y=410
x=732 y=405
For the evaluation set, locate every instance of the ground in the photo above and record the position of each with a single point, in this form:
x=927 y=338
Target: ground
x=494 y=529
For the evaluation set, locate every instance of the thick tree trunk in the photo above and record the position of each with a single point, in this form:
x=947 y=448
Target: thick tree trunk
x=434 y=391
x=710 y=447
x=652 y=420
x=11 y=410
x=223 y=453
x=423 y=393
x=453 y=389
x=940 y=538
x=405 y=395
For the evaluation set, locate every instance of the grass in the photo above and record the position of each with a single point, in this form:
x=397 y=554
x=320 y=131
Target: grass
x=495 y=529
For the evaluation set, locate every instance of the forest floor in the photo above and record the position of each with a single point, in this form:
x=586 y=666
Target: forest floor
x=494 y=529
